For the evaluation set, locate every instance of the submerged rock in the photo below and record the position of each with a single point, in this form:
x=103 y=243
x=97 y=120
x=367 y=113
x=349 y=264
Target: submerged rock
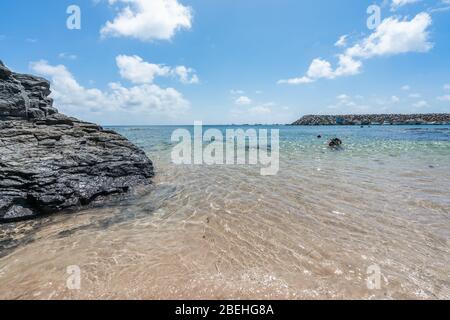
x=50 y=162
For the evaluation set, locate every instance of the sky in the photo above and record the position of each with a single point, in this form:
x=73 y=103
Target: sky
x=169 y=62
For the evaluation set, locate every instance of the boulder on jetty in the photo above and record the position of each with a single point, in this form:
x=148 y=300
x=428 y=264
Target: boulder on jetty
x=374 y=119
x=50 y=162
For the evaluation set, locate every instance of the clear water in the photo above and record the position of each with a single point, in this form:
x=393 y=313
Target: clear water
x=312 y=231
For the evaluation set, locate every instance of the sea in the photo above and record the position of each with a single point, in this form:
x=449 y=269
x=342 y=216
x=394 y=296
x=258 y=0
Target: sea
x=368 y=220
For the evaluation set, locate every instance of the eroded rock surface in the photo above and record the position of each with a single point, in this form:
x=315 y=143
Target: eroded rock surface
x=50 y=162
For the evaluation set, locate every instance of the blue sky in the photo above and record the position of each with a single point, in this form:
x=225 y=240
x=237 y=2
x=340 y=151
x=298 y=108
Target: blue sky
x=229 y=61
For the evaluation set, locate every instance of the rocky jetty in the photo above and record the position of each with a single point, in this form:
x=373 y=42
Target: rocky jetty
x=50 y=162
x=375 y=119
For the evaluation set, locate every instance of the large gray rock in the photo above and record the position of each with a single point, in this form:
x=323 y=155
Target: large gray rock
x=50 y=162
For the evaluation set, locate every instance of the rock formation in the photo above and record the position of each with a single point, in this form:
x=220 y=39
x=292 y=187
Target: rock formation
x=50 y=162
x=374 y=119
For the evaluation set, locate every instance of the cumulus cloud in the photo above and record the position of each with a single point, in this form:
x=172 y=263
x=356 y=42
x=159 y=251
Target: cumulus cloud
x=343 y=97
x=395 y=99
x=321 y=68
x=393 y=36
x=269 y=112
x=345 y=104
x=236 y=92
x=301 y=80
x=68 y=56
x=148 y=20
x=74 y=99
x=186 y=75
x=342 y=41
x=406 y=88
x=136 y=70
x=421 y=104
x=400 y=3
x=243 y=101
x=357 y=104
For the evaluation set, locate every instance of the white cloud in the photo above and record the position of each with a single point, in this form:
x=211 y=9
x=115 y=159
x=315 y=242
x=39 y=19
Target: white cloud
x=148 y=20
x=400 y=3
x=406 y=88
x=444 y=98
x=343 y=97
x=421 y=104
x=444 y=6
x=393 y=36
x=301 y=80
x=415 y=95
x=395 y=99
x=447 y=86
x=357 y=104
x=269 y=112
x=342 y=41
x=67 y=56
x=186 y=75
x=234 y=92
x=260 y=110
x=344 y=104
x=136 y=70
x=243 y=101
x=74 y=99
x=320 y=68
x=347 y=66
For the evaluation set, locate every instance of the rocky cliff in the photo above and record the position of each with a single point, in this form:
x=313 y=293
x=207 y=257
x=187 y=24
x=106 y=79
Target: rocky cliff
x=50 y=162
x=374 y=119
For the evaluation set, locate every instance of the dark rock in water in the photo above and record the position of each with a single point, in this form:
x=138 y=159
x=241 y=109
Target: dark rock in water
x=335 y=143
x=50 y=162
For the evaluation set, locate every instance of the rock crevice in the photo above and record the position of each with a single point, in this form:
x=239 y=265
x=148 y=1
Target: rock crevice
x=50 y=162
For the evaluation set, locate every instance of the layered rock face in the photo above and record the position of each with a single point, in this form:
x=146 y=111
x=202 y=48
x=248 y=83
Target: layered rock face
x=50 y=162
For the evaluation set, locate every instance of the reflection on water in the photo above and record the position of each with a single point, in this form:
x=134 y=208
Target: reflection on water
x=312 y=231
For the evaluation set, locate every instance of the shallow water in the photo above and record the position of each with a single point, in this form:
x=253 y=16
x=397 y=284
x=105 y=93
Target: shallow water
x=218 y=232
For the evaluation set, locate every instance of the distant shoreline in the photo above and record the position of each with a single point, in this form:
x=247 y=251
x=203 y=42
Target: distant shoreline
x=374 y=119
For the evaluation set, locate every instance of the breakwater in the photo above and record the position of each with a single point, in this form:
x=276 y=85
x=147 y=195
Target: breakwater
x=375 y=119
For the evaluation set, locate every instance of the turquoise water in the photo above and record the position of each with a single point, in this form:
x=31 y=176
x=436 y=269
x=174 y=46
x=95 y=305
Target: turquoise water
x=157 y=137
x=311 y=231
x=425 y=143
